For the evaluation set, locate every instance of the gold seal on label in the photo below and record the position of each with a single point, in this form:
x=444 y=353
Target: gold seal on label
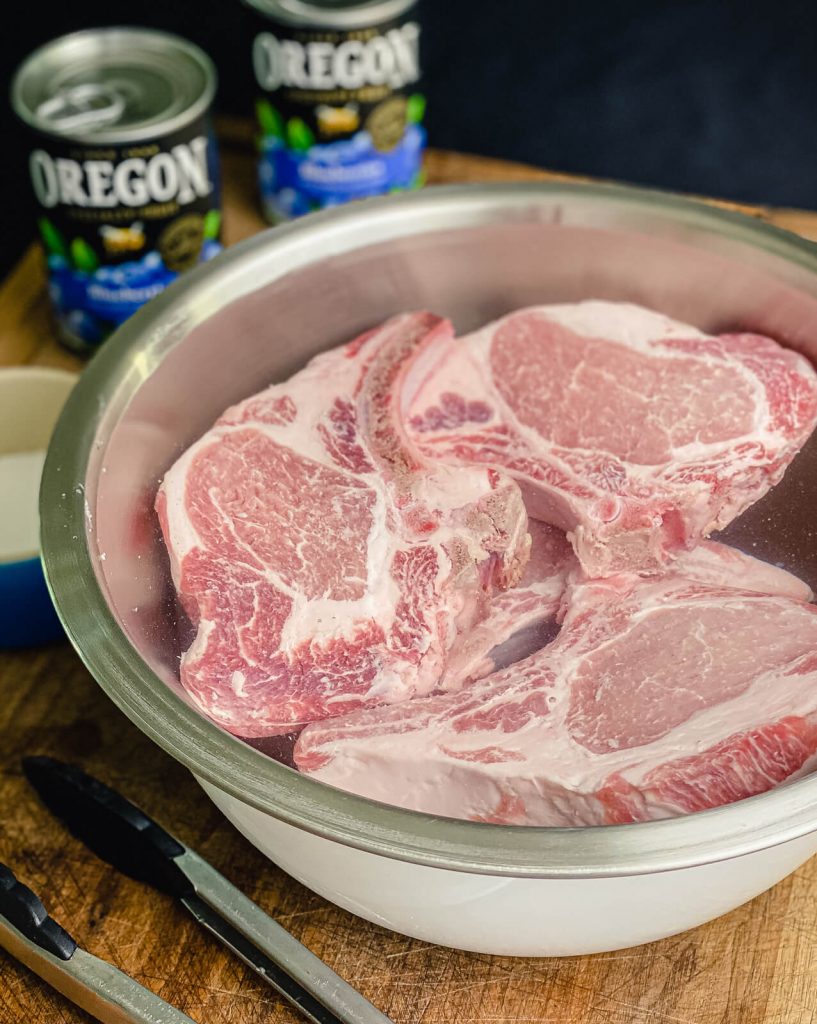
x=387 y=123
x=181 y=241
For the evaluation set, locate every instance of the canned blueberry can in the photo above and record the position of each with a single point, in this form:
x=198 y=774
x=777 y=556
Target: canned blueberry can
x=124 y=170
x=339 y=107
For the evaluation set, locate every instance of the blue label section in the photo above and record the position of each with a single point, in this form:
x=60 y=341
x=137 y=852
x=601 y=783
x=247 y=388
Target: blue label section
x=295 y=182
x=91 y=305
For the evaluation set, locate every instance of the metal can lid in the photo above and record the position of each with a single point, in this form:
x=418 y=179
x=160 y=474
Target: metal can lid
x=332 y=14
x=113 y=85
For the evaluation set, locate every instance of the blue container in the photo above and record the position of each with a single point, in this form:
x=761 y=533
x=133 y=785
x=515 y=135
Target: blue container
x=27 y=618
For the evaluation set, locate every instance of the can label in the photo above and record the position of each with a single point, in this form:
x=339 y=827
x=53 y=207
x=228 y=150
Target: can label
x=120 y=223
x=340 y=114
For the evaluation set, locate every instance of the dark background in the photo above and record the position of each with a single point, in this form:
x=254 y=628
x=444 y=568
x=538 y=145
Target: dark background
x=716 y=98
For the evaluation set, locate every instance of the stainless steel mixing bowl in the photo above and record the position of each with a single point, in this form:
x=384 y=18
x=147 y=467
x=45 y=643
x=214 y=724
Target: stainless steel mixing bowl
x=258 y=313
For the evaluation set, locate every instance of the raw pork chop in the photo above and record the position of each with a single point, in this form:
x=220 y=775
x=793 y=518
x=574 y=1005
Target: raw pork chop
x=659 y=697
x=325 y=565
x=523 y=619
x=636 y=434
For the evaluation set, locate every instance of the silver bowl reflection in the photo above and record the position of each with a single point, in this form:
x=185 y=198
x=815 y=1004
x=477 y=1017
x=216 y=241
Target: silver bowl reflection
x=258 y=313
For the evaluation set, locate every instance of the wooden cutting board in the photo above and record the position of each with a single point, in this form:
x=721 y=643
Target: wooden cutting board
x=757 y=965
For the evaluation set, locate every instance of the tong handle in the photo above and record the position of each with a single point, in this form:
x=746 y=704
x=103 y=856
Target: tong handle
x=25 y=911
x=115 y=829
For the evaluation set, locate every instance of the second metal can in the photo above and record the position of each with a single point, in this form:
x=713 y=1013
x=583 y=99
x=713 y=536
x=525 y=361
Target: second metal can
x=340 y=109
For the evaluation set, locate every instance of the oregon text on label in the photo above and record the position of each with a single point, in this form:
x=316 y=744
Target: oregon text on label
x=390 y=59
x=181 y=174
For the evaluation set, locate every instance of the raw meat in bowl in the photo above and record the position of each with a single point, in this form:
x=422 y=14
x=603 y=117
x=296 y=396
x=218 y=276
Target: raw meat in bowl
x=659 y=697
x=636 y=434
x=325 y=565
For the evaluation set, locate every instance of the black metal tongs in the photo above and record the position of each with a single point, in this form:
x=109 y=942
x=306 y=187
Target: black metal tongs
x=123 y=836
x=36 y=940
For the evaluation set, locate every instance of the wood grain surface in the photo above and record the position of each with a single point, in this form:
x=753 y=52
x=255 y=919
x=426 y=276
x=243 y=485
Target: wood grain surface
x=757 y=965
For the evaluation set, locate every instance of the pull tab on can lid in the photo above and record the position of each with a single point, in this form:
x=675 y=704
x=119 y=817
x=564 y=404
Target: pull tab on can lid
x=82 y=108
x=113 y=86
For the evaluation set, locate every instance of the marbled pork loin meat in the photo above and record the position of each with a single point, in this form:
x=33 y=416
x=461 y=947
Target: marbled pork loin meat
x=660 y=696
x=525 y=617
x=326 y=565
x=636 y=434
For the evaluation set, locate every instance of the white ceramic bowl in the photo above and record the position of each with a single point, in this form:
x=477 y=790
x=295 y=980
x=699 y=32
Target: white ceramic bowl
x=258 y=313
